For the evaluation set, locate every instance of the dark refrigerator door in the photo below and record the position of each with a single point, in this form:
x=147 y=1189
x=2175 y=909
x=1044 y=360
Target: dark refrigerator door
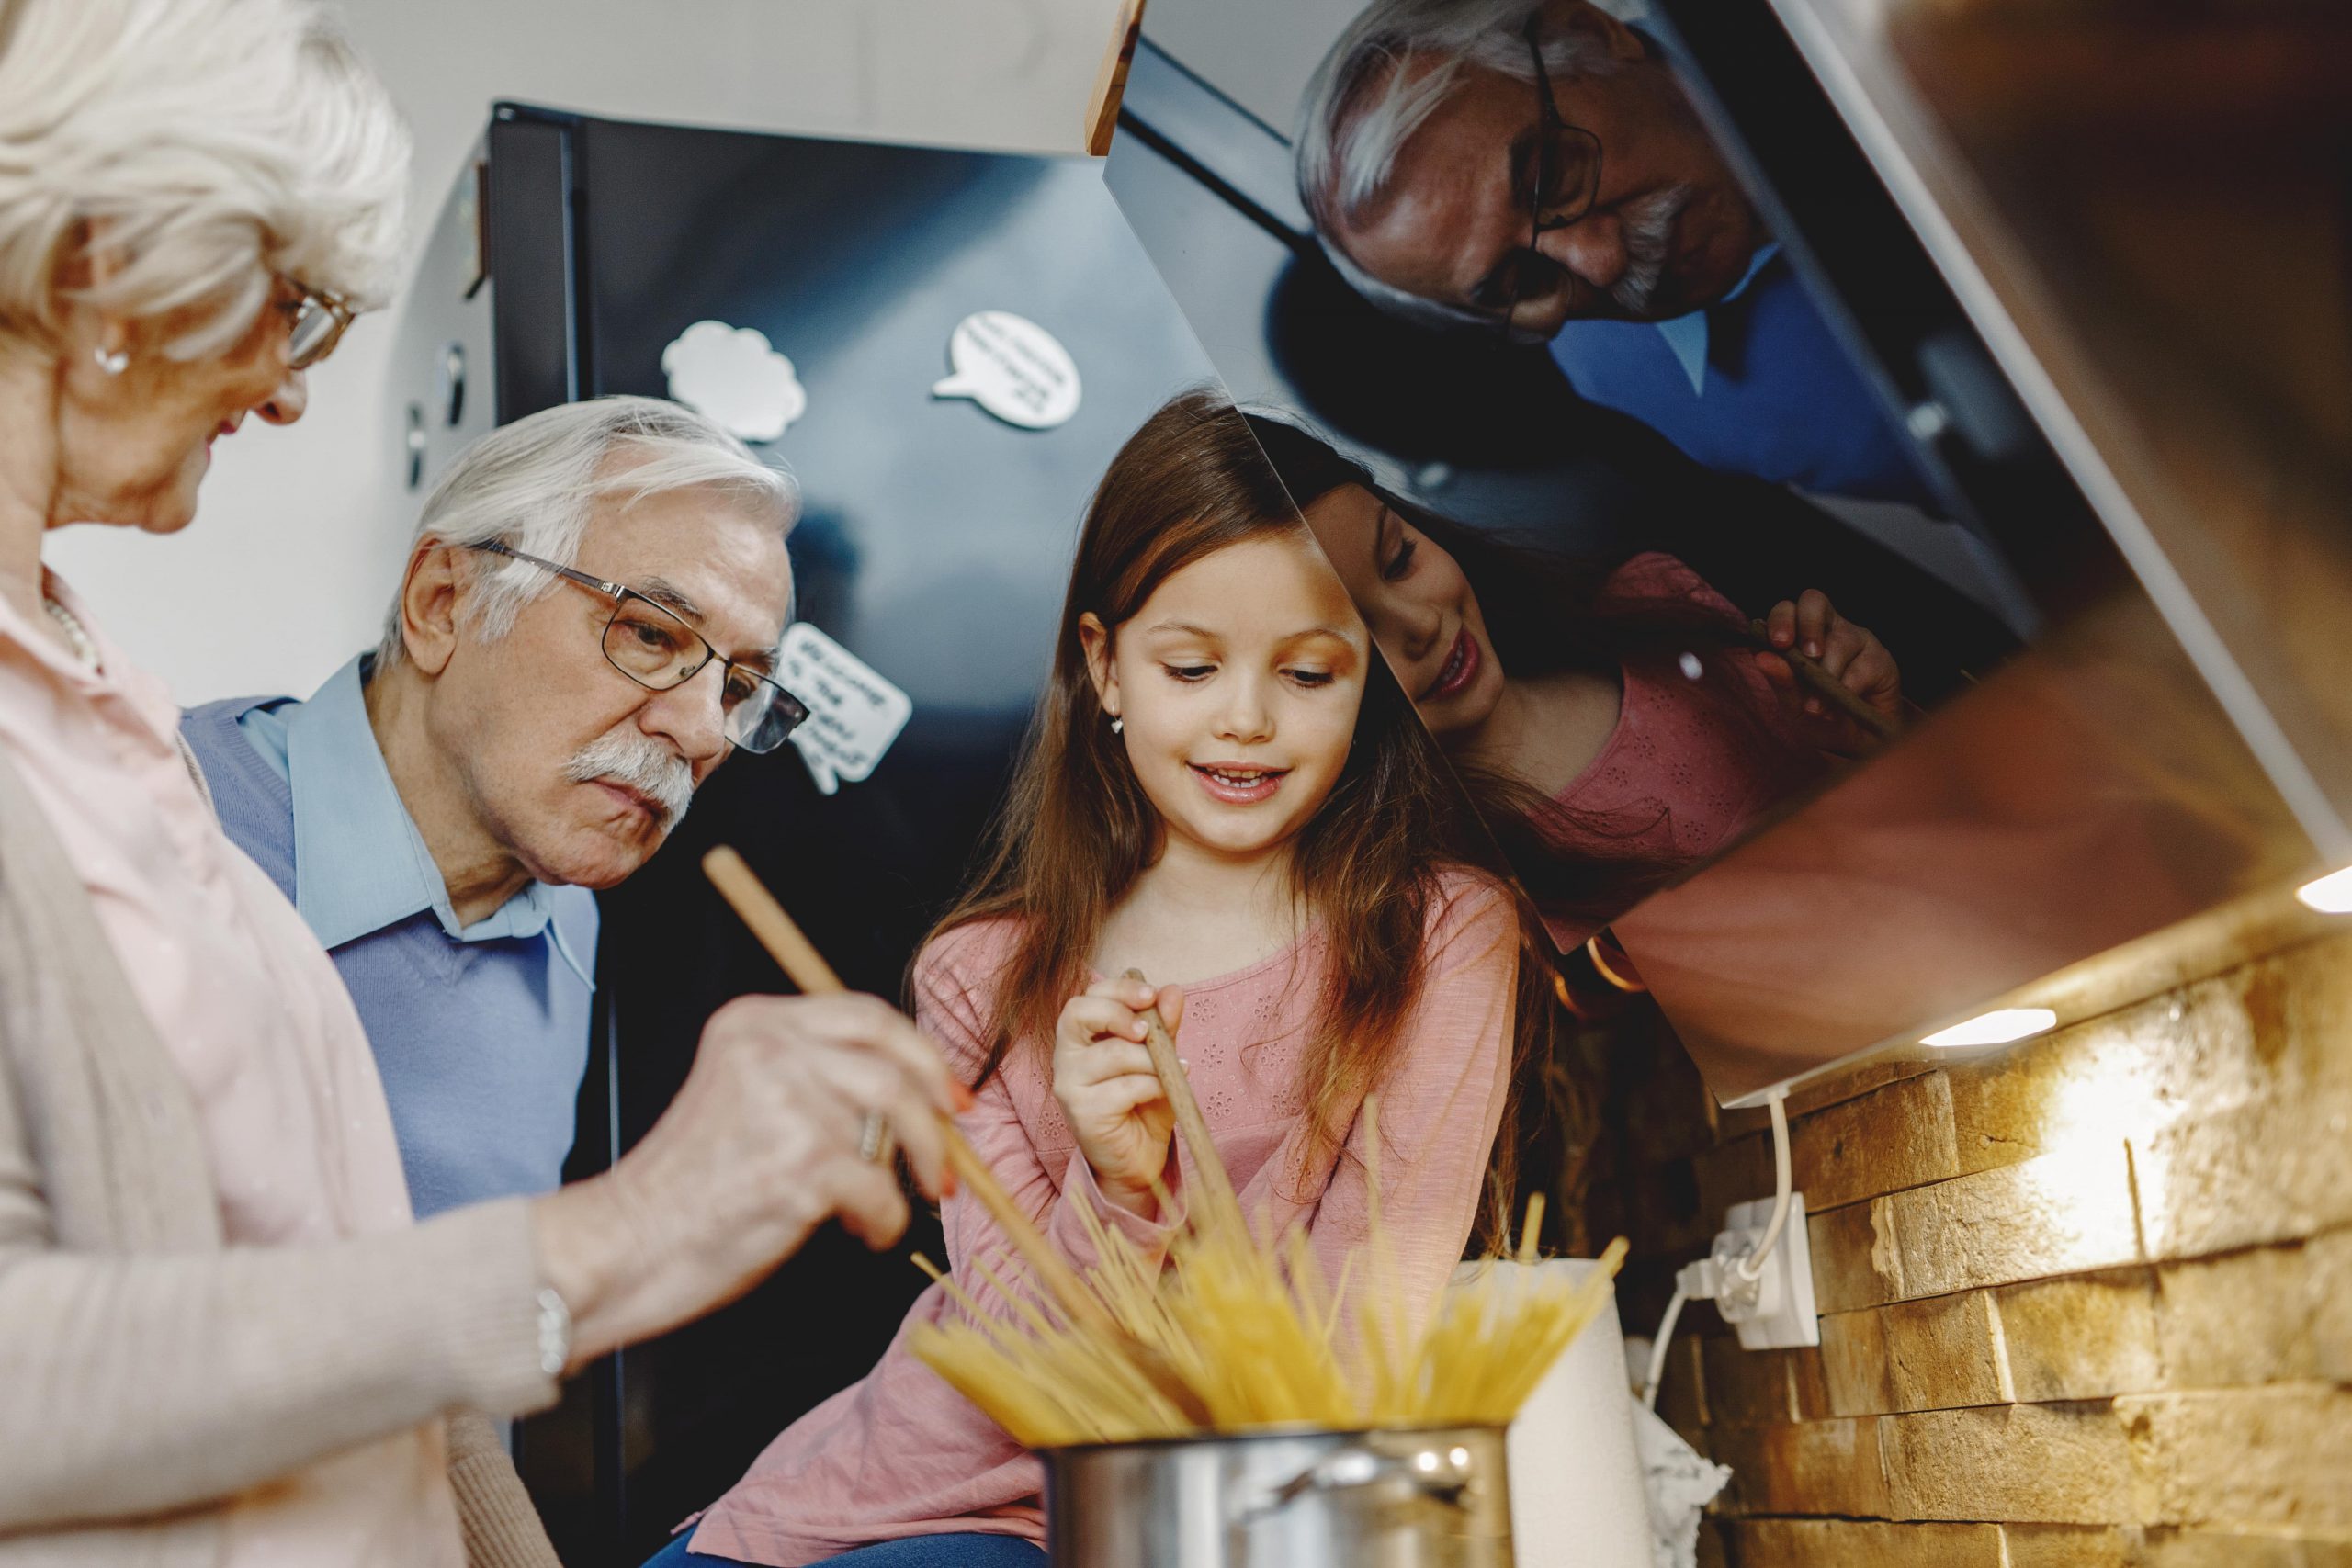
x=934 y=546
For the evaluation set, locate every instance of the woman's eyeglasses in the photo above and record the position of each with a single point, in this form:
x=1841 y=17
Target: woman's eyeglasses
x=647 y=642
x=320 y=322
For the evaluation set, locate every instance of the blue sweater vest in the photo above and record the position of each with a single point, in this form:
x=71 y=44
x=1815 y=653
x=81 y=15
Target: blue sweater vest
x=481 y=1044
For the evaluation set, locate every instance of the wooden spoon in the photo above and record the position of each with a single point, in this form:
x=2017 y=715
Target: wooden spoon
x=808 y=969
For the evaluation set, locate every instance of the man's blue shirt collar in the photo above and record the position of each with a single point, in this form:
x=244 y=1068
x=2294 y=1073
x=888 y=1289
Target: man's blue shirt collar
x=1687 y=336
x=359 y=863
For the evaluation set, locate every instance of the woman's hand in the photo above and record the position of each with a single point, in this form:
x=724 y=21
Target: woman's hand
x=1114 y=1103
x=759 y=1148
x=1812 y=626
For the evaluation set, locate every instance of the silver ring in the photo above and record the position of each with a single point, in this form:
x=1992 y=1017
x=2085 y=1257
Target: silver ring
x=874 y=1140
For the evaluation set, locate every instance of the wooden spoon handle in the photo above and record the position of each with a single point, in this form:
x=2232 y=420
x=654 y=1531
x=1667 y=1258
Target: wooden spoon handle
x=777 y=932
x=791 y=948
x=800 y=959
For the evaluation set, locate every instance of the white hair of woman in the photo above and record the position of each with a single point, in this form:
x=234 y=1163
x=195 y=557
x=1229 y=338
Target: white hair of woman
x=1360 y=109
x=534 y=485
x=210 y=144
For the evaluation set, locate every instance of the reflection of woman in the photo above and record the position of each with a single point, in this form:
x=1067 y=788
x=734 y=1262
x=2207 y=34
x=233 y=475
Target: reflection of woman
x=1222 y=782
x=1616 y=710
x=224 y=1342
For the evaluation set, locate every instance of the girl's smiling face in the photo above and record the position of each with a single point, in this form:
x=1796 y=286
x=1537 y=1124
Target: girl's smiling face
x=1238 y=680
x=1420 y=606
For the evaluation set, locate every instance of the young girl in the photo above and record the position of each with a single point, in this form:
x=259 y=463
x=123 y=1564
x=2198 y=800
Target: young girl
x=1615 y=725
x=1224 y=787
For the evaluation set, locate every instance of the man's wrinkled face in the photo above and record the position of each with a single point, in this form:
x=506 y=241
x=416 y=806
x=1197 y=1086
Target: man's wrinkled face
x=1670 y=230
x=576 y=768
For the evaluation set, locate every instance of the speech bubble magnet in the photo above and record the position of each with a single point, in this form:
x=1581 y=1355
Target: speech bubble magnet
x=854 y=713
x=1013 y=368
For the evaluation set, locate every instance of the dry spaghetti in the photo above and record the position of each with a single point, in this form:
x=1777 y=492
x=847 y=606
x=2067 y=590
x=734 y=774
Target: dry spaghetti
x=1252 y=1333
x=1252 y=1329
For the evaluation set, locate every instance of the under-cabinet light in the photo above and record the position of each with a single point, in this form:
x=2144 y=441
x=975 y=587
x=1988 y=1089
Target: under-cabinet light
x=1995 y=1027
x=2331 y=895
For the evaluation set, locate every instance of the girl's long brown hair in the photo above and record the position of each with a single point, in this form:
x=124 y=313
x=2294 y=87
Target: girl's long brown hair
x=1077 y=830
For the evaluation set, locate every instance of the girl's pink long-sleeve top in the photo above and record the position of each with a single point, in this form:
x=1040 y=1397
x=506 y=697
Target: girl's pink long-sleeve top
x=902 y=1454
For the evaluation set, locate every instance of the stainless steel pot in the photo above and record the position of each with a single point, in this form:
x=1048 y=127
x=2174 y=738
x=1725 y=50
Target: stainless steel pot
x=1413 y=1499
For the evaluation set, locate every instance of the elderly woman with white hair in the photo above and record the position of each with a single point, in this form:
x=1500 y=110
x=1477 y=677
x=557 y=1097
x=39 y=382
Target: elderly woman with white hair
x=223 y=1339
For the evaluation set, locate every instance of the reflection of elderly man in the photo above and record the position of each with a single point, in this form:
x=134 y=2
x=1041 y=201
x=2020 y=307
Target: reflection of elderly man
x=437 y=810
x=1535 y=166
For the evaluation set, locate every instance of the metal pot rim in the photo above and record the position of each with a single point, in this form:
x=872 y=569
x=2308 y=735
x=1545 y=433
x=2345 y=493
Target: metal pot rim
x=1256 y=1433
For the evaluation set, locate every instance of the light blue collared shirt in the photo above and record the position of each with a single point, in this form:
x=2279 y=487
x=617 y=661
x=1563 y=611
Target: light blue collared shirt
x=359 y=863
x=1687 y=336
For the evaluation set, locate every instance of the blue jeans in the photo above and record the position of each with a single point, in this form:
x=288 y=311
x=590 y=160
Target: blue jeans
x=915 y=1552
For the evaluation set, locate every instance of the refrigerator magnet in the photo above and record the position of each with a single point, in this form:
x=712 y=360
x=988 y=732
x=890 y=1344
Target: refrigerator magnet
x=735 y=375
x=854 y=713
x=1013 y=368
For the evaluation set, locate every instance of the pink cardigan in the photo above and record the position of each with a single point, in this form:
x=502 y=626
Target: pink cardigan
x=902 y=1453
x=274 y=1058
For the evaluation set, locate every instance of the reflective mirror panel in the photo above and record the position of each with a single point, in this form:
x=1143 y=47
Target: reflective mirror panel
x=2146 y=208
x=1683 y=495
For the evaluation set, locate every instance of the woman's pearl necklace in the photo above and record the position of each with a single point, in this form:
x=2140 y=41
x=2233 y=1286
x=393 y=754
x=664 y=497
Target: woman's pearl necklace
x=84 y=648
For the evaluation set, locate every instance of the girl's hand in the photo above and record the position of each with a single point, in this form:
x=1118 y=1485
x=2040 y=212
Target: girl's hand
x=1813 y=626
x=1113 y=1100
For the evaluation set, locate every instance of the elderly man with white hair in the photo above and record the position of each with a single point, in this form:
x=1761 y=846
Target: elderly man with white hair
x=1532 y=168
x=588 y=625
x=224 y=1341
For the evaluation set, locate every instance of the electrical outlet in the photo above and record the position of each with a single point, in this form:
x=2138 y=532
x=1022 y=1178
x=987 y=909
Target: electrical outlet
x=1775 y=1310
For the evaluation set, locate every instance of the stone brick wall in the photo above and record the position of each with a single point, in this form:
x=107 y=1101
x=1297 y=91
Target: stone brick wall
x=2087 y=1300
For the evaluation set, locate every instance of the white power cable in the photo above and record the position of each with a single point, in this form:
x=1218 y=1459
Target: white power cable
x=1704 y=1280
x=1751 y=1268
x=1659 y=1348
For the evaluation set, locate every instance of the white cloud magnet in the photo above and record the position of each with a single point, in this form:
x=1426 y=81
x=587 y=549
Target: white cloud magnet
x=854 y=713
x=1013 y=368
x=735 y=375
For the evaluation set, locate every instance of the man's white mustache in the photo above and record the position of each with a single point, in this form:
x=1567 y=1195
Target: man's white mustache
x=641 y=763
x=1647 y=226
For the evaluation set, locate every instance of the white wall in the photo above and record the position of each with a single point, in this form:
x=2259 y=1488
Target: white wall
x=287 y=571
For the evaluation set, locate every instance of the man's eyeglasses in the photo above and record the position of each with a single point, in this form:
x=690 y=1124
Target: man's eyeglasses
x=647 y=642
x=320 y=322
x=1563 y=182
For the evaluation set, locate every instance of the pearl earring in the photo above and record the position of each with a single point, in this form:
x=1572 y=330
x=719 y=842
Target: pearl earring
x=1118 y=725
x=114 y=363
